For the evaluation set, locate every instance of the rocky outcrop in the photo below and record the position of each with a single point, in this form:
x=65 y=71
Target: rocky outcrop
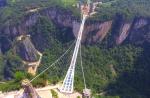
x=124 y=31
x=31 y=57
x=140 y=31
x=96 y=32
x=29 y=90
x=26 y=49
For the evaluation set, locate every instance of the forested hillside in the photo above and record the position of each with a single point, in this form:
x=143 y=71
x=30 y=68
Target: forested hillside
x=129 y=8
x=111 y=70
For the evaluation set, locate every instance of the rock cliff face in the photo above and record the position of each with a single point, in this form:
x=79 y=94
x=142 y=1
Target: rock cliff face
x=136 y=31
x=140 y=31
x=26 y=49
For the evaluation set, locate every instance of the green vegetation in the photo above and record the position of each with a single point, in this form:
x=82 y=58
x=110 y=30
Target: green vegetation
x=16 y=10
x=13 y=64
x=54 y=94
x=1 y=67
x=9 y=86
x=78 y=96
x=99 y=63
x=96 y=60
x=44 y=29
x=19 y=76
x=107 y=97
x=15 y=83
x=129 y=8
x=120 y=71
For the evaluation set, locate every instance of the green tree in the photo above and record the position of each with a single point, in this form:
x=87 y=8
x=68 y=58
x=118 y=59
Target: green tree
x=13 y=64
x=54 y=94
x=19 y=76
x=1 y=67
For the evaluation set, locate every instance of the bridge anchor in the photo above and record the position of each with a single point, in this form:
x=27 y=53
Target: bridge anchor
x=86 y=93
x=29 y=91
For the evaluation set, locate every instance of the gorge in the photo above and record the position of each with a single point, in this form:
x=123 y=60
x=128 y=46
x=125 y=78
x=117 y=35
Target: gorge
x=116 y=51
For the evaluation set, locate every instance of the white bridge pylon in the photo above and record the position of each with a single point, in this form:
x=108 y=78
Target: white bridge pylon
x=68 y=83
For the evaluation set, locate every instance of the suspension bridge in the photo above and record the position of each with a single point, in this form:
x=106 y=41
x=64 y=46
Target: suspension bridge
x=68 y=83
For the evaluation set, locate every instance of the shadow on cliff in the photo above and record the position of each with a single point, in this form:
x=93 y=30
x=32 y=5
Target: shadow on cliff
x=5 y=44
x=134 y=83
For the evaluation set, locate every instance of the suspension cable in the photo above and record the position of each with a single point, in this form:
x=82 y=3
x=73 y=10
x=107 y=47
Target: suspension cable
x=82 y=67
x=53 y=63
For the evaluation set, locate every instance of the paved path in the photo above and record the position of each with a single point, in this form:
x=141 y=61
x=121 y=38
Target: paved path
x=43 y=92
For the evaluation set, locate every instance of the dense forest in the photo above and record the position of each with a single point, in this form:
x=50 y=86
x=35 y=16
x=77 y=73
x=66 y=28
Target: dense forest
x=119 y=71
x=129 y=8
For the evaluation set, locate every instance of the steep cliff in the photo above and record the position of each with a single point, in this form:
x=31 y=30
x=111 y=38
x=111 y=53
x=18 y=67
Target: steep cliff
x=94 y=32
x=117 y=31
x=51 y=26
x=140 y=31
x=26 y=49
